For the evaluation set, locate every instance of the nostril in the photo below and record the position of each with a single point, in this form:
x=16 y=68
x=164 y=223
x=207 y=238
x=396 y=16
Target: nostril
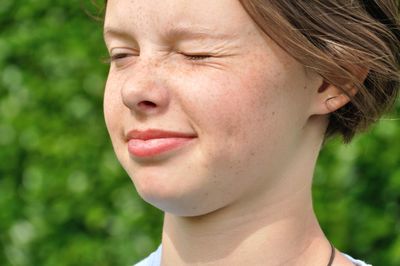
x=147 y=104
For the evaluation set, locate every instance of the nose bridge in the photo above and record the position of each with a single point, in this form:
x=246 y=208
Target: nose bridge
x=145 y=89
x=144 y=70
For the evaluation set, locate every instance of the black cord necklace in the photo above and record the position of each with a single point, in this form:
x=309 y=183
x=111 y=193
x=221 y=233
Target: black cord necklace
x=332 y=255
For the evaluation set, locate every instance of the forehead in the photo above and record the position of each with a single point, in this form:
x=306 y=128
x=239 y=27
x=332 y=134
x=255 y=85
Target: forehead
x=147 y=16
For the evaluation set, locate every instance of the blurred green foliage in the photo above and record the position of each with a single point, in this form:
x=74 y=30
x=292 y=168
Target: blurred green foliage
x=65 y=200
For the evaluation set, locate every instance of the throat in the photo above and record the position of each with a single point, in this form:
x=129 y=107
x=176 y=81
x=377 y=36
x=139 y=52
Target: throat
x=244 y=240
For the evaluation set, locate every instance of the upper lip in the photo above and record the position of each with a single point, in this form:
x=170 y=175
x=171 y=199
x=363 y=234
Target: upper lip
x=157 y=134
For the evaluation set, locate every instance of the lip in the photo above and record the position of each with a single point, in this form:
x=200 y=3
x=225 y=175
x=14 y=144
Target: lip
x=153 y=142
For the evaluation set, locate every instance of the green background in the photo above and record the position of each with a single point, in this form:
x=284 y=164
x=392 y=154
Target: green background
x=65 y=200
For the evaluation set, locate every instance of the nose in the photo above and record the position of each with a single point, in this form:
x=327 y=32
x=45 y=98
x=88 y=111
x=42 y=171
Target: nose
x=145 y=91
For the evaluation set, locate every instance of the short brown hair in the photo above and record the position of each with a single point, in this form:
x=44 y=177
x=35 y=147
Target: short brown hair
x=334 y=38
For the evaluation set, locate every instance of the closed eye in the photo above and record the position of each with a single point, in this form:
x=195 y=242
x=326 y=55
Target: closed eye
x=115 y=57
x=197 y=57
x=122 y=57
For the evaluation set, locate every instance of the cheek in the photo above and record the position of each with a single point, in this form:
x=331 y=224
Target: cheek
x=113 y=116
x=227 y=107
x=225 y=112
x=111 y=105
x=248 y=114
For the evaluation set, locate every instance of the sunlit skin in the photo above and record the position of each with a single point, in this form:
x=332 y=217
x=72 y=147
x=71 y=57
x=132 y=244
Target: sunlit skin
x=240 y=192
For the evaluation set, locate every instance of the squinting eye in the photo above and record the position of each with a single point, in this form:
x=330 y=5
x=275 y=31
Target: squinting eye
x=119 y=56
x=122 y=58
x=197 y=57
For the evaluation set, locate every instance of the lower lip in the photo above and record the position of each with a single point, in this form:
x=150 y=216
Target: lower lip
x=153 y=147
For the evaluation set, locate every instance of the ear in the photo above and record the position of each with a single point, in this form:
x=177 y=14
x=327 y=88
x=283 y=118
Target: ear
x=330 y=98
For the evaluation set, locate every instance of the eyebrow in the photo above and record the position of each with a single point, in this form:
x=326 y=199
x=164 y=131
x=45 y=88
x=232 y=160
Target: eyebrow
x=110 y=32
x=187 y=32
x=177 y=32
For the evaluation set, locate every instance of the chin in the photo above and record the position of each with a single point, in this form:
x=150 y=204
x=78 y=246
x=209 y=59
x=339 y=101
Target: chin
x=176 y=202
x=170 y=187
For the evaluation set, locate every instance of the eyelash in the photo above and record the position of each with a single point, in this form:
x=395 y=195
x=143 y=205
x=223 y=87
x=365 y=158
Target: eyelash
x=196 y=57
x=118 y=56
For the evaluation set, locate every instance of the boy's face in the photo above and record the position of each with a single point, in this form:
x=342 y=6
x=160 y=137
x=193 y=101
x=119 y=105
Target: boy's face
x=203 y=68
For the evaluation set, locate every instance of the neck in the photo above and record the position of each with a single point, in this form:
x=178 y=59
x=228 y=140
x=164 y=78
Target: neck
x=285 y=233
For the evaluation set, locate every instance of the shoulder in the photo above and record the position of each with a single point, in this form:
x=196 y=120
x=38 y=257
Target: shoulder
x=356 y=262
x=154 y=259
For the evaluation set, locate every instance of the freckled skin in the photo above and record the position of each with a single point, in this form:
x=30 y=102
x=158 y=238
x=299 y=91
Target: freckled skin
x=247 y=109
